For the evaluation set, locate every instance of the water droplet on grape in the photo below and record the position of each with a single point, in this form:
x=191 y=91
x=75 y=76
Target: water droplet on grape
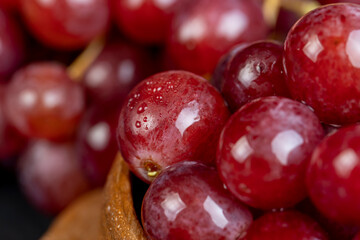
x=159 y=99
x=131 y=103
x=142 y=108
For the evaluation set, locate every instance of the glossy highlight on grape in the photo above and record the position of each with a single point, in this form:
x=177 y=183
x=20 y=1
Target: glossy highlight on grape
x=42 y=101
x=66 y=24
x=51 y=176
x=170 y=117
x=188 y=201
x=264 y=150
x=252 y=72
x=207 y=29
x=333 y=176
x=321 y=61
x=96 y=142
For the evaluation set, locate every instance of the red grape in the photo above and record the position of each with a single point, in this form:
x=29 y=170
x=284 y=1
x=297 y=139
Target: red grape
x=333 y=176
x=357 y=237
x=188 y=201
x=254 y=71
x=167 y=118
x=207 y=29
x=118 y=68
x=322 y=65
x=334 y=229
x=42 y=101
x=217 y=78
x=285 y=226
x=264 y=149
x=66 y=24
x=9 y=4
x=51 y=176
x=96 y=142
x=11 y=141
x=146 y=21
x=12 y=46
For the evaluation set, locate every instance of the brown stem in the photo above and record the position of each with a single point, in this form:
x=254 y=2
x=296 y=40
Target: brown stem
x=77 y=69
x=271 y=10
x=300 y=7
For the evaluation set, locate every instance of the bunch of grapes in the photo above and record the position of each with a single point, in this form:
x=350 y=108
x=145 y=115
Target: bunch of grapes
x=241 y=115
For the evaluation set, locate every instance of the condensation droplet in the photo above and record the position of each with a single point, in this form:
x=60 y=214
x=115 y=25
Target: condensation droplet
x=159 y=98
x=142 y=108
x=130 y=103
x=138 y=124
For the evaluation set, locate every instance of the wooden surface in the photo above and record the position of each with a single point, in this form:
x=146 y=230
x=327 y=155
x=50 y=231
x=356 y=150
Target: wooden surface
x=119 y=221
x=80 y=220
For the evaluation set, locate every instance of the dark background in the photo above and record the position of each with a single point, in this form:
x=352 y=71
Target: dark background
x=18 y=220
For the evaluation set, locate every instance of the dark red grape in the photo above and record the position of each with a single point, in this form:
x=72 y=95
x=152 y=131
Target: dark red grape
x=322 y=64
x=42 y=101
x=207 y=29
x=170 y=117
x=264 y=150
x=254 y=71
x=9 y=4
x=357 y=237
x=334 y=229
x=217 y=78
x=50 y=175
x=146 y=21
x=285 y=226
x=11 y=141
x=188 y=201
x=12 y=46
x=96 y=142
x=118 y=68
x=333 y=177
x=66 y=24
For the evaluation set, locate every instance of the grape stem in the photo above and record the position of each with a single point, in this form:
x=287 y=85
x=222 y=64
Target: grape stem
x=78 y=67
x=300 y=7
x=271 y=10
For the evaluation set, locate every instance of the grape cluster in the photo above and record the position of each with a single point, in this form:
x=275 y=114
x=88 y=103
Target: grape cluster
x=241 y=115
x=272 y=152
